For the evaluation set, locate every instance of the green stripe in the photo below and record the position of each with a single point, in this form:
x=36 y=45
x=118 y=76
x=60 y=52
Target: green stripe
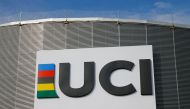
x=47 y=94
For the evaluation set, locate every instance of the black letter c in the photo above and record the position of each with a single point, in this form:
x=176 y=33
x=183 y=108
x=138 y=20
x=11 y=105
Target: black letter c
x=106 y=72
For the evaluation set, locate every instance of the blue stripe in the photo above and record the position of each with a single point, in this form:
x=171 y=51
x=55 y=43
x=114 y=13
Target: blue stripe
x=46 y=67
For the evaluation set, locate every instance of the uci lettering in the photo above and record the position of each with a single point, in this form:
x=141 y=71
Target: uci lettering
x=104 y=78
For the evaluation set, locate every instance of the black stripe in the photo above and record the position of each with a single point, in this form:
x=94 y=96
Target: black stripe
x=46 y=80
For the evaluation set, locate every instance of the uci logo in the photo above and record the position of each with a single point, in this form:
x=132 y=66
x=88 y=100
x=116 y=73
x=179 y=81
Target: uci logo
x=46 y=74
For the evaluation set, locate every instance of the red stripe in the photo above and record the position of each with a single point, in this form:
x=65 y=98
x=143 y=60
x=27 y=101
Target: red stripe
x=46 y=73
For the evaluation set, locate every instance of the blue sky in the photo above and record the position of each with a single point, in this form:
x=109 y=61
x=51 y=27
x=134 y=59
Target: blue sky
x=161 y=10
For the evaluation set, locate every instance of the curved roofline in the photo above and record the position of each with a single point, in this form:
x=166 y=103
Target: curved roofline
x=94 y=19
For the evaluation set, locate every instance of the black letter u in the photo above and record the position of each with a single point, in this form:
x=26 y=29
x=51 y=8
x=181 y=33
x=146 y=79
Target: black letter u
x=64 y=80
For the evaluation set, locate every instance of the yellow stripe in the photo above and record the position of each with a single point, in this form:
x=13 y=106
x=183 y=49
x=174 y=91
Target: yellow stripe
x=45 y=87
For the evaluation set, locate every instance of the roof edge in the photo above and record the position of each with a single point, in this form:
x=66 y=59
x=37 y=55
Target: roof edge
x=94 y=19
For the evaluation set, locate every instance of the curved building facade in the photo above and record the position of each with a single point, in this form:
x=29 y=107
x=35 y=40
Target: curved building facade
x=19 y=42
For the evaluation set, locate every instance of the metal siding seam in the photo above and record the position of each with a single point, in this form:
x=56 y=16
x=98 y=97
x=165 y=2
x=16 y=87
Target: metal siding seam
x=92 y=24
x=146 y=34
x=173 y=34
x=17 y=64
x=119 y=33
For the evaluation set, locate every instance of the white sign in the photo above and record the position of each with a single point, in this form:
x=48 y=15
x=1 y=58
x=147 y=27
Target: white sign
x=99 y=97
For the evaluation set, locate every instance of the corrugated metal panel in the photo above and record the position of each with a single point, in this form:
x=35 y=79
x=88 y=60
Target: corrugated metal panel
x=9 y=37
x=7 y=92
x=72 y=39
x=31 y=40
x=164 y=66
x=54 y=36
x=105 y=34
x=182 y=42
x=99 y=35
x=132 y=34
x=84 y=34
x=9 y=50
x=25 y=92
x=31 y=37
x=27 y=64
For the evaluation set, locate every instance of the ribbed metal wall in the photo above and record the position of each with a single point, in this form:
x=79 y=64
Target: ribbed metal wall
x=164 y=66
x=133 y=34
x=105 y=34
x=30 y=41
x=9 y=41
x=54 y=36
x=182 y=45
x=18 y=45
